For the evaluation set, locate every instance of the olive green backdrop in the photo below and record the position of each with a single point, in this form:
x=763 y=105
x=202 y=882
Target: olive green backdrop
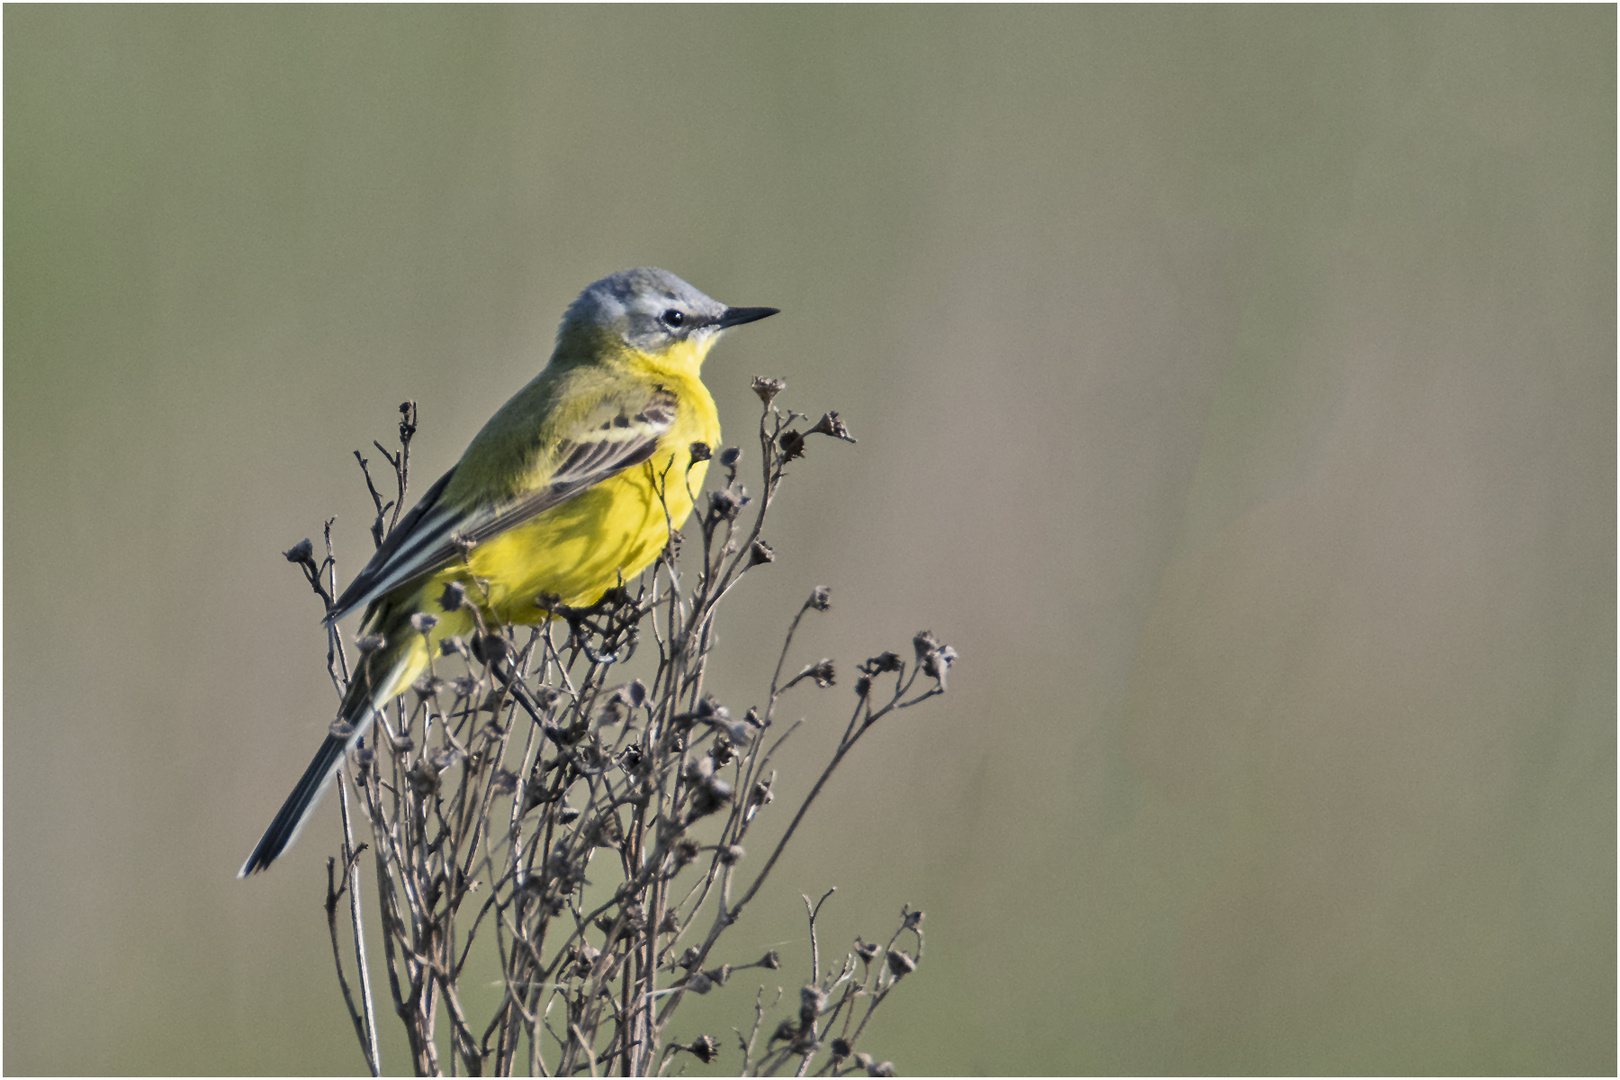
x=1235 y=390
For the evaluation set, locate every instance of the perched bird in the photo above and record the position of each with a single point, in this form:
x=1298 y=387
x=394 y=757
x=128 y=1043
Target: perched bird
x=571 y=487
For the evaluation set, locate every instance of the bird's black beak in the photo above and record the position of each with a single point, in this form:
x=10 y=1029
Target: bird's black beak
x=736 y=316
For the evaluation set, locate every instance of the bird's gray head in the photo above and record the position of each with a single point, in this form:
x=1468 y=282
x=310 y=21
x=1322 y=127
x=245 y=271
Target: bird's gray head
x=653 y=310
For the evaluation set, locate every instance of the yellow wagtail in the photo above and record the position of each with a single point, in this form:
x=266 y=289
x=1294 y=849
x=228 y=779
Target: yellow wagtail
x=562 y=495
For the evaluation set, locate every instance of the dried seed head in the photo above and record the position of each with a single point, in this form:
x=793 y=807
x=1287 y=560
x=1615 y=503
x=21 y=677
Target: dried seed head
x=422 y=622
x=820 y=598
x=938 y=662
x=760 y=552
x=924 y=643
x=822 y=673
x=829 y=424
x=685 y=851
x=489 y=648
x=341 y=729
x=567 y=815
x=884 y=1069
x=465 y=686
x=913 y=919
x=700 y=452
x=792 y=444
x=730 y=456
x=884 y=661
x=863 y=686
x=453 y=596
x=761 y=794
x=303 y=551
x=424 y=777
x=689 y=959
x=699 y=982
x=812 y=999
x=768 y=388
x=840 y=1049
x=705 y=1049
x=709 y=796
x=864 y=1061
x=370 y=643
x=427 y=686
x=723 y=504
x=865 y=950
x=636 y=691
x=719 y=975
x=545 y=696
x=901 y=964
x=671 y=924
x=785 y=1032
x=731 y=856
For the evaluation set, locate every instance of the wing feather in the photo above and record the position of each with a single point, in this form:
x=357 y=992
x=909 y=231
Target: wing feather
x=433 y=536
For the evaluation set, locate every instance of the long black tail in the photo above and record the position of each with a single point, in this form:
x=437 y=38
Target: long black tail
x=295 y=811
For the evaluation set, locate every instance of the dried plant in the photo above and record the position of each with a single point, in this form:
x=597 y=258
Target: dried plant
x=539 y=824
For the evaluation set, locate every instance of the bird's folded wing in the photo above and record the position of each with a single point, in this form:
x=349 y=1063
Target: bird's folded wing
x=433 y=535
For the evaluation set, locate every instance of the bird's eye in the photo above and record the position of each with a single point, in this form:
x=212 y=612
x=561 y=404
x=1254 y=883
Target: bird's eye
x=672 y=317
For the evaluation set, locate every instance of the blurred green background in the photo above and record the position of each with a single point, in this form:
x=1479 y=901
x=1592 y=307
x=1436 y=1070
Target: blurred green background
x=1235 y=390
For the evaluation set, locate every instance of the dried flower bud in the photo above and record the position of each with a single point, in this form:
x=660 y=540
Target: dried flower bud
x=636 y=691
x=771 y=960
x=705 y=1049
x=822 y=673
x=303 y=551
x=785 y=1032
x=422 y=622
x=545 y=696
x=820 y=598
x=730 y=456
x=686 y=851
x=370 y=643
x=731 y=856
x=567 y=815
x=699 y=982
x=719 y=975
x=840 y=1049
x=913 y=919
x=364 y=757
x=723 y=504
x=866 y=951
x=689 y=959
x=901 y=964
x=453 y=596
x=671 y=924
x=452 y=646
x=465 y=686
x=885 y=1069
x=427 y=686
x=700 y=452
x=792 y=444
x=863 y=686
x=864 y=1061
x=761 y=794
x=768 y=388
x=504 y=782
x=760 y=552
